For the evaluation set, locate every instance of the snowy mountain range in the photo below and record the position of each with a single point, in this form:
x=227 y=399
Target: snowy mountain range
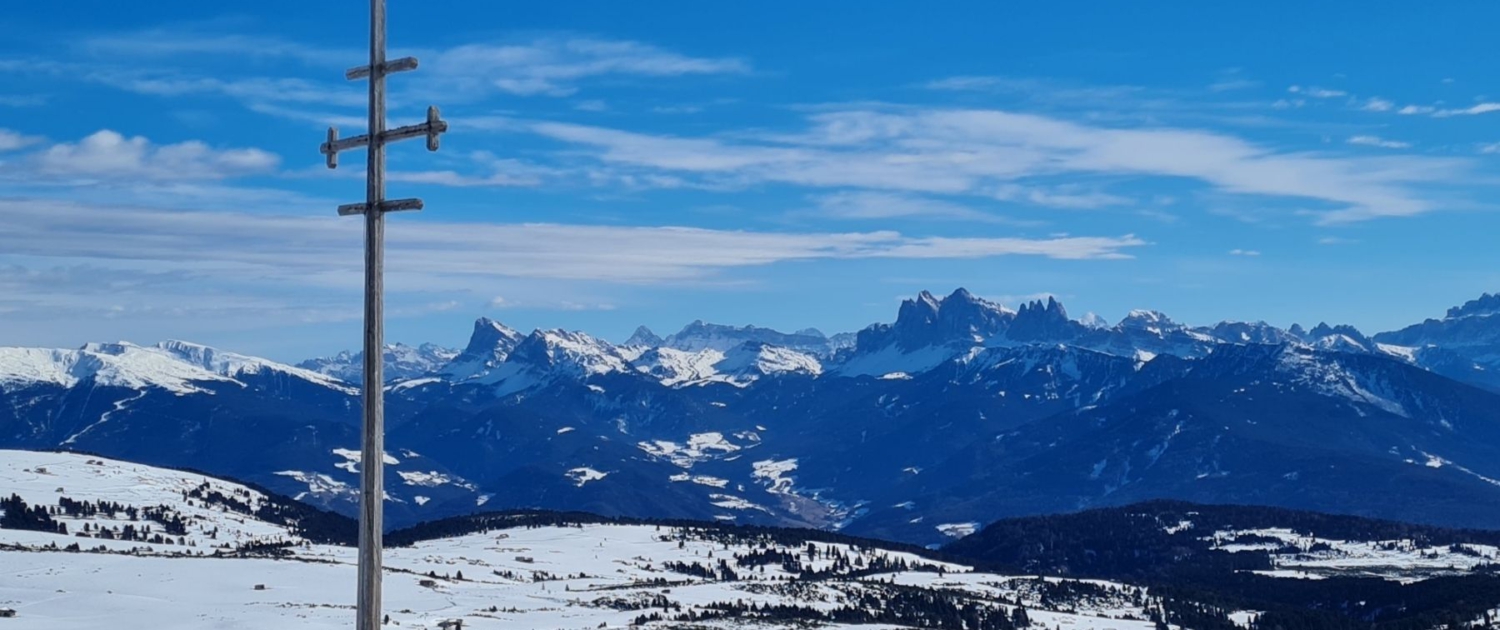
x=959 y=411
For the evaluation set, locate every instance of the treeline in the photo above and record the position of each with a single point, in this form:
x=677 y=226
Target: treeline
x=304 y=520
x=1139 y=541
x=891 y=605
x=729 y=534
x=20 y=515
x=314 y=524
x=1146 y=544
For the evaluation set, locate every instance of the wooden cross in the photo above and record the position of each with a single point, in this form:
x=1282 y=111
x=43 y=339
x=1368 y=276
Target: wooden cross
x=372 y=452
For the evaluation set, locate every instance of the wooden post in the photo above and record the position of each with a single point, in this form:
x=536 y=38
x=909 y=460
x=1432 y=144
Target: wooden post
x=372 y=452
x=372 y=448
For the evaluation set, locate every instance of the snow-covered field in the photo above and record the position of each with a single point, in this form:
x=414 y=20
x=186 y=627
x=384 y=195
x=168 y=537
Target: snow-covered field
x=1296 y=555
x=560 y=577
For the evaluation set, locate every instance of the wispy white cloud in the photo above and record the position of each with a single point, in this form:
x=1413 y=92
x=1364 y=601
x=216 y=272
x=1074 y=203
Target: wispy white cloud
x=1244 y=252
x=1316 y=92
x=500 y=302
x=1490 y=148
x=884 y=205
x=677 y=109
x=1377 y=141
x=429 y=254
x=964 y=83
x=177 y=43
x=1071 y=197
x=1232 y=84
x=549 y=65
x=973 y=152
x=23 y=100
x=252 y=90
x=1335 y=240
x=110 y=155
x=555 y=66
x=12 y=140
x=1472 y=110
x=1437 y=111
x=1377 y=104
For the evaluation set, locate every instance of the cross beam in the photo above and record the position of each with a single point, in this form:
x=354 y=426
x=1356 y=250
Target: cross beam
x=372 y=445
x=432 y=128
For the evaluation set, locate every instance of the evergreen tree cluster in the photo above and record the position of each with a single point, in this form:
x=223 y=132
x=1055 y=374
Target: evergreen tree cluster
x=891 y=605
x=18 y=515
x=1199 y=584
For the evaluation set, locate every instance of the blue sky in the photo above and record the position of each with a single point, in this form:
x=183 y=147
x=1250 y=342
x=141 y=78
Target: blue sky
x=785 y=164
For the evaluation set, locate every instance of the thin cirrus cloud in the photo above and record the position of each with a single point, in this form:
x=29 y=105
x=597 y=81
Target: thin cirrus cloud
x=548 y=65
x=555 y=66
x=876 y=205
x=975 y=152
x=175 y=44
x=1377 y=141
x=238 y=245
x=1316 y=92
x=1448 y=112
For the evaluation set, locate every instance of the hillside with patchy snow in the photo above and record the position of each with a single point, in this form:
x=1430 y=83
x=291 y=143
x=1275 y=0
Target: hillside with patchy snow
x=231 y=570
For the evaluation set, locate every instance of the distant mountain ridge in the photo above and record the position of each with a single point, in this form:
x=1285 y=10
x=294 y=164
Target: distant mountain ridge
x=959 y=411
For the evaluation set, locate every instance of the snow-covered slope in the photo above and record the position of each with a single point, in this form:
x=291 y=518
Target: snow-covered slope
x=739 y=365
x=1297 y=555
x=176 y=366
x=134 y=491
x=493 y=572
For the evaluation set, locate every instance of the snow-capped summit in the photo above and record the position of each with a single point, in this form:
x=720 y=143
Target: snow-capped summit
x=1342 y=336
x=750 y=361
x=644 y=337
x=1254 y=332
x=1038 y=321
x=402 y=362
x=1469 y=337
x=563 y=352
x=237 y=366
x=673 y=367
x=1144 y=334
x=1487 y=304
x=1093 y=321
x=740 y=365
x=102 y=364
x=1147 y=319
x=489 y=345
x=176 y=366
x=926 y=321
x=700 y=335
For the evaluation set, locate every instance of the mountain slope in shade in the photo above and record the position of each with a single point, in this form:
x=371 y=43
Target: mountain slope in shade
x=1275 y=425
x=489 y=345
x=1464 y=344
